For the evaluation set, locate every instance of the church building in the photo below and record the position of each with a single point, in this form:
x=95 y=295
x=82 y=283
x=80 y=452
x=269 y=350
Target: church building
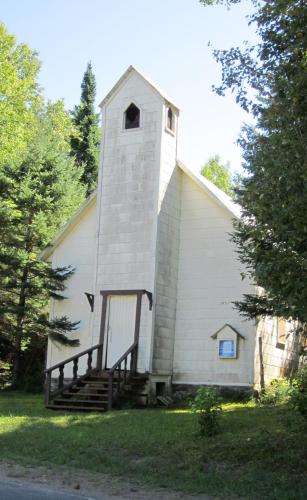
x=156 y=274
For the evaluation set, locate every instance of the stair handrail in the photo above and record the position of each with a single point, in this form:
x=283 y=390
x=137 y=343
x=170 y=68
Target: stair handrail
x=75 y=359
x=68 y=360
x=122 y=380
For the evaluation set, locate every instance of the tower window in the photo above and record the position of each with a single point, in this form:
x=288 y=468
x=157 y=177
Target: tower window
x=132 y=117
x=170 y=120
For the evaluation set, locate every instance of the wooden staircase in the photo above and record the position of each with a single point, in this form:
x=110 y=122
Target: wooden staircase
x=96 y=389
x=92 y=393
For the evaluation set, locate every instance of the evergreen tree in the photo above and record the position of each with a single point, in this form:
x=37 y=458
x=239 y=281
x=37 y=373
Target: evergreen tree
x=85 y=143
x=37 y=196
x=272 y=234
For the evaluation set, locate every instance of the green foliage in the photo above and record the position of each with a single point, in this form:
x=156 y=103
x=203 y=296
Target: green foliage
x=260 y=453
x=272 y=234
x=277 y=393
x=299 y=394
x=219 y=174
x=207 y=406
x=20 y=96
x=291 y=392
x=40 y=188
x=85 y=143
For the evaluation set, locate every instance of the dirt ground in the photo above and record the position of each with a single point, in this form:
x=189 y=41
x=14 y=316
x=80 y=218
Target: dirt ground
x=87 y=484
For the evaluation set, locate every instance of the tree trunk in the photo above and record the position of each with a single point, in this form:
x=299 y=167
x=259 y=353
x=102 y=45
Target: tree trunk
x=19 y=327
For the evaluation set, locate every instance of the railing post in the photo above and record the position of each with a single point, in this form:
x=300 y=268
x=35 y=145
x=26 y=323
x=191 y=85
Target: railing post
x=61 y=377
x=125 y=371
x=110 y=392
x=134 y=360
x=75 y=369
x=99 y=358
x=89 y=360
x=47 y=388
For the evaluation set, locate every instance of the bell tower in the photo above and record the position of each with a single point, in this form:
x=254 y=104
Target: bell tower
x=137 y=199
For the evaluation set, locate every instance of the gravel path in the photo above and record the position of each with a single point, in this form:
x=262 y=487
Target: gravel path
x=68 y=484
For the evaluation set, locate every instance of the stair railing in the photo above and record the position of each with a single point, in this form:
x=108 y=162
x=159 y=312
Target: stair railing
x=121 y=372
x=60 y=384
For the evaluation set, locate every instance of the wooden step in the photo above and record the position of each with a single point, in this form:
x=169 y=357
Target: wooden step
x=89 y=394
x=79 y=401
x=76 y=408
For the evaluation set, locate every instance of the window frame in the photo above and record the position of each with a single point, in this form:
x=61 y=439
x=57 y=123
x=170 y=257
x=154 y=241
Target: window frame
x=171 y=131
x=132 y=129
x=234 y=356
x=280 y=344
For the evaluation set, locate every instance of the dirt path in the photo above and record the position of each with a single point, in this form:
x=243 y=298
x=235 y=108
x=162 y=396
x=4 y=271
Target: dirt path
x=87 y=484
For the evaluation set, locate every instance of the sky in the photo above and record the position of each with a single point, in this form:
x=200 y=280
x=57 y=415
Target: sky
x=167 y=40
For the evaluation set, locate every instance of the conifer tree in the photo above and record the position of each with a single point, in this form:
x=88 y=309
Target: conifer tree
x=37 y=196
x=85 y=143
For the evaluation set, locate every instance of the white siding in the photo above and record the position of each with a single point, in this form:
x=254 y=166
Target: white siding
x=127 y=201
x=208 y=282
x=168 y=236
x=76 y=249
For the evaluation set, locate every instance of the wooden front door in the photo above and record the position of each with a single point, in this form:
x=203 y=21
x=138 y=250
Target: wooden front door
x=120 y=326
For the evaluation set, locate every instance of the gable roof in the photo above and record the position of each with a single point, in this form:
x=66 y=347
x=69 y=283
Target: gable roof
x=213 y=191
x=70 y=224
x=125 y=76
x=208 y=187
x=225 y=327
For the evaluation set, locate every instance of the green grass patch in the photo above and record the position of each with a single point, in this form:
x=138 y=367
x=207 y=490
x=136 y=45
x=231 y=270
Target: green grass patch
x=259 y=452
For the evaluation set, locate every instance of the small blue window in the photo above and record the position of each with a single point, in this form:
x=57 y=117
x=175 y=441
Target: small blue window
x=227 y=349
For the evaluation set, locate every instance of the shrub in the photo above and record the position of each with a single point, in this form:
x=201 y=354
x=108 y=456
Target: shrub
x=278 y=392
x=207 y=406
x=291 y=392
x=299 y=393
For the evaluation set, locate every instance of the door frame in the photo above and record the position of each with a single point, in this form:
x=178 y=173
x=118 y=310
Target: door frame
x=105 y=295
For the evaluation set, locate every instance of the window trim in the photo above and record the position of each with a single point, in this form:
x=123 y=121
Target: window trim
x=234 y=348
x=133 y=129
x=279 y=343
x=171 y=131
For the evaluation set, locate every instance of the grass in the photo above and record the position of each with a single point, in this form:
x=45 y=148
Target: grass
x=258 y=454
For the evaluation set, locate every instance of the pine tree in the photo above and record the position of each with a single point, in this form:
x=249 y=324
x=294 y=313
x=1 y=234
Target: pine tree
x=85 y=143
x=37 y=196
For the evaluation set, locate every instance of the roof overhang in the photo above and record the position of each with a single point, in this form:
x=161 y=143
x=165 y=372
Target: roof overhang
x=73 y=221
x=213 y=191
x=125 y=76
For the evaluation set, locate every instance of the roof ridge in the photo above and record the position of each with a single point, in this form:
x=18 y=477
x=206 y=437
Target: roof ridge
x=125 y=75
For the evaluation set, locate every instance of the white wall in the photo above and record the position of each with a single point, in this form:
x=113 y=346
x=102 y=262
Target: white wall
x=76 y=249
x=208 y=281
x=167 y=252
x=128 y=198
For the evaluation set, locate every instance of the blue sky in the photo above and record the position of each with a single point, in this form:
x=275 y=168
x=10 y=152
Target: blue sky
x=167 y=40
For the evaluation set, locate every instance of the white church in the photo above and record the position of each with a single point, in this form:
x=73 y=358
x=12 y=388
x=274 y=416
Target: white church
x=156 y=274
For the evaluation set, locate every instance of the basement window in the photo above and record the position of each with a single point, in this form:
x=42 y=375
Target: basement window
x=227 y=349
x=132 y=117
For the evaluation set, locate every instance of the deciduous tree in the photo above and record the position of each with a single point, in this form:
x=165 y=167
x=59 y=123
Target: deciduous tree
x=272 y=234
x=219 y=174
